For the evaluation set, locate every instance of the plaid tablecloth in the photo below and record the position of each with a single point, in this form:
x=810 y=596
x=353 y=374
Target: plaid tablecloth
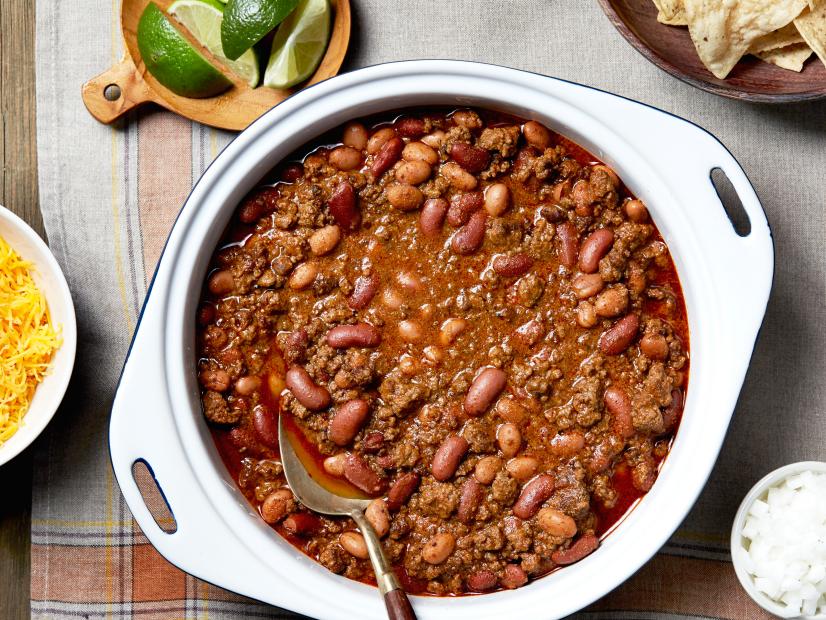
x=110 y=194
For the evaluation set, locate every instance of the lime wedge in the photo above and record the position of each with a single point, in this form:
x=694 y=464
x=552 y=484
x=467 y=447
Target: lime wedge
x=173 y=61
x=299 y=44
x=203 y=19
x=246 y=22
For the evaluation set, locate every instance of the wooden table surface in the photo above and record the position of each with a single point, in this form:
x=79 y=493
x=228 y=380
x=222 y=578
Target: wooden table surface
x=18 y=192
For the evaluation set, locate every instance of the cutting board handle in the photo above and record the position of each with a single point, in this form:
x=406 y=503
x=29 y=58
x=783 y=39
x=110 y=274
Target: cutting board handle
x=116 y=91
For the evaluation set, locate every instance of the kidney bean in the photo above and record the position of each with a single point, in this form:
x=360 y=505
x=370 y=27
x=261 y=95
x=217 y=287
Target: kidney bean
x=356 y=335
x=324 y=240
x=458 y=177
x=487 y=468
x=438 y=548
x=462 y=206
x=482 y=580
x=378 y=516
x=295 y=346
x=620 y=335
x=533 y=495
x=595 y=246
x=410 y=127
x=404 y=197
x=388 y=155
x=345 y=158
x=292 y=172
x=512 y=266
x=353 y=543
x=244 y=439
x=402 y=489
x=247 y=385
x=206 y=314
x=302 y=524
x=358 y=473
x=636 y=211
x=373 y=441
x=618 y=404
x=435 y=139
x=671 y=414
x=379 y=139
x=355 y=135
x=313 y=397
x=470 y=237
x=266 y=428
x=497 y=199
x=564 y=445
x=568 y=244
x=275 y=505
x=586 y=545
x=302 y=276
x=612 y=302
x=536 y=135
x=216 y=380
x=487 y=385
x=364 y=289
x=419 y=151
x=347 y=421
x=531 y=332
x=450 y=330
x=221 y=282
x=343 y=206
x=509 y=439
x=334 y=465
x=250 y=211
x=448 y=456
x=413 y=172
x=556 y=523
x=469 y=500
x=472 y=158
x=586 y=285
x=522 y=468
x=513 y=577
x=654 y=346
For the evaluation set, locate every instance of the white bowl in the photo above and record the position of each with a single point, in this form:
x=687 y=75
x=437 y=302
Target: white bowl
x=759 y=491
x=49 y=279
x=156 y=415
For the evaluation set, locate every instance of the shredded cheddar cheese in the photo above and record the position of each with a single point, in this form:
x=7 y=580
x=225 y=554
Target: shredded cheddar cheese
x=27 y=339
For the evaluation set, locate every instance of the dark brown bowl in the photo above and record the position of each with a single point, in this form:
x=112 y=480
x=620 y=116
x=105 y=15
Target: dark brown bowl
x=671 y=49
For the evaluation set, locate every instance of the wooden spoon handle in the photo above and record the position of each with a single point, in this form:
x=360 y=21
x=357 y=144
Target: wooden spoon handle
x=116 y=91
x=398 y=607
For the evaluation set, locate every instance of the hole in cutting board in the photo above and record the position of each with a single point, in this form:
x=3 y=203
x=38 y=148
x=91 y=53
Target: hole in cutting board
x=111 y=92
x=731 y=202
x=153 y=496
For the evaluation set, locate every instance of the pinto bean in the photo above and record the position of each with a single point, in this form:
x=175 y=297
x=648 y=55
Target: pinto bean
x=587 y=285
x=410 y=127
x=302 y=276
x=636 y=211
x=595 y=246
x=497 y=199
x=482 y=580
x=378 y=516
x=266 y=428
x=345 y=158
x=511 y=411
x=413 y=172
x=402 y=489
x=434 y=139
x=536 y=135
x=563 y=188
x=620 y=335
x=343 y=206
x=522 y=468
x=438 y=548
x=466 y=118
x=469 y=500
x=404 y=197
x=448 y=456
x=618 y=404
x=358 y=473
x=432 y=216
x=612 y=302
x=487 y=468
x=221 y=282
x=313 y=397
x=462 y=206
x=388 y=155
x=419 y=151
x=247 y=385
x=586 y=316
x=470 y=237
x=356 y=335
x=433 y=354
x=568 y=244
x=556 y=523
x=355 y=135
x=513 y=577
x=348 y=420
x=533 y=495
x=485 y=388
x=410 y=331
x=392 y=298
x=379 y=139
x=583 y=196
x=654 y=346
x=216 y=380
x=586 y=545
x=564 y=445
x=324 y=240
x=512 y=266
x=450 y=330
x=364 y=289
x=472 y=158
x=302 y=524
x=334 y=465
x=509 y=439
x=612 y=176
x=353 y=543
x=458 y=177
x=275 y=505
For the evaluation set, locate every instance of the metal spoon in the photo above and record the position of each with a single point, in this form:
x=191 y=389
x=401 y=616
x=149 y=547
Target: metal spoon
x=317 y=498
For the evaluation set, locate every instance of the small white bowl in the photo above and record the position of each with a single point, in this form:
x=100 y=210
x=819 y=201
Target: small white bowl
x=49 y=279
x=759 y=491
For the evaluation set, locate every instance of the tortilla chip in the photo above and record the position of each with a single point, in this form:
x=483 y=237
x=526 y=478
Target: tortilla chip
x=671 y=12
x=723 y=30
x=787 y=35
x=791 y=57
x=812 y=26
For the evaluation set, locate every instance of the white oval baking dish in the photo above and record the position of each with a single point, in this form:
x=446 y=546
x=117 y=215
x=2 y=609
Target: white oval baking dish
x=665 y=160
